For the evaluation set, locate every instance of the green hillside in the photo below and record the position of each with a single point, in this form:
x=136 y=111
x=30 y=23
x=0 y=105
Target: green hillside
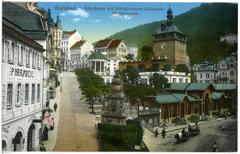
x=203 y=26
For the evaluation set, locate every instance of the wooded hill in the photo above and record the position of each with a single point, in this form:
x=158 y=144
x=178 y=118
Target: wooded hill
x=203 y=25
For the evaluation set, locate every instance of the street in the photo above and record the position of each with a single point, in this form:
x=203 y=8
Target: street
x=222 y=132
x=76 y=129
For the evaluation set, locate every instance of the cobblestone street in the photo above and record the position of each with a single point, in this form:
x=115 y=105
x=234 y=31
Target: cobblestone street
x=76 y=129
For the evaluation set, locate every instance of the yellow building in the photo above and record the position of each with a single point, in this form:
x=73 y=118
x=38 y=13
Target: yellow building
x=170 y=43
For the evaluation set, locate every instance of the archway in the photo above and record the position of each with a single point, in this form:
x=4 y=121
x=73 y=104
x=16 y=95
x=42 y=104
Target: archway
x=17 y=142
x=31 y=138
x=4 y=145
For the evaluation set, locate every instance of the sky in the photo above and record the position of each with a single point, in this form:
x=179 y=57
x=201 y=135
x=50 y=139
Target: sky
x=98 y=20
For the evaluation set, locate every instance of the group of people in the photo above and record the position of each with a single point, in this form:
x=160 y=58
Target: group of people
x=163 y=133
x=183 y=132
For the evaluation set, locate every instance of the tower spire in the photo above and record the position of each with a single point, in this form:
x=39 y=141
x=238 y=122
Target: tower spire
x=169 y=16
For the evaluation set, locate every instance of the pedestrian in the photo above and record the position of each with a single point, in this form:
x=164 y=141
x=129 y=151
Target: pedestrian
x=214 y=149
x=156 y=133
x=163 y=133
x=55 y=106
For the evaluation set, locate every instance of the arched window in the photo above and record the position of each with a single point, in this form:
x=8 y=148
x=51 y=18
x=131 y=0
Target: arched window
x=4 y=145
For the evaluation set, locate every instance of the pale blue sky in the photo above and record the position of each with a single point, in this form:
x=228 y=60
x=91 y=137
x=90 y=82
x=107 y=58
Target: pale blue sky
x=99 y=24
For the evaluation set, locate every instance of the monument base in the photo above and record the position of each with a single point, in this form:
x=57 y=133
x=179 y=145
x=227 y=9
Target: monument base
x=113 y=119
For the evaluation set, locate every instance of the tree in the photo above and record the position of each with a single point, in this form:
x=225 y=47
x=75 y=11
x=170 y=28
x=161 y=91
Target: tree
x=182 y=68
x=167 y=67
x=137 y=91
x=147 y=53
x=130 y=75
x=130 y=56
x=159 y=82
x=91 y=85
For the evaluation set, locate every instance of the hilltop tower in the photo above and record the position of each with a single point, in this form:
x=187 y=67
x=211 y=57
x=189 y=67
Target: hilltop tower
x=170 y=43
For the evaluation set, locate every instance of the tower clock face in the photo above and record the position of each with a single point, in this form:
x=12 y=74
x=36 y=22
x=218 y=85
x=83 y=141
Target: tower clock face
x=163 y=45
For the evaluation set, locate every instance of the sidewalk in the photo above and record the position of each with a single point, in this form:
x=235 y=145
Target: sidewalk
x=172 y=127
x=52 y=134
x=154 y=144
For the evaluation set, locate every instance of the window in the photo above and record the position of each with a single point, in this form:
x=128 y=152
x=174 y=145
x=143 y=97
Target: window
x=26 y=93
x=3 y=95
x=186 y=80
x=27 y=57
x=18 y=103
x=20 y=54
x=33 y=93
x=9 y=95
x=174 y=79
x=180 y=80
x=3 y=50
x=33 y=60
x=10 y=52
x=207 y=76
x=38 y=92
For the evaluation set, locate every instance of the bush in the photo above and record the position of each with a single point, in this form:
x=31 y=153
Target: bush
x=194 y=118
x=120 y=138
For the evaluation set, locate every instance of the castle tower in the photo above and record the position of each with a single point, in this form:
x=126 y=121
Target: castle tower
x=114 y=112
x=170 y=43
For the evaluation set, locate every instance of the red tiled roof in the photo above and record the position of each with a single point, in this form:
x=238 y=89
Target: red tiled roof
x=114 y=44
x=78 y=44
x=103 y=43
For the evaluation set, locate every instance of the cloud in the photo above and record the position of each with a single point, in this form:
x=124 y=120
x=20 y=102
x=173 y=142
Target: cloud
x=120 y=16
x=76 y=19
x=78 y=12
x=63 y=14
x=96 y=20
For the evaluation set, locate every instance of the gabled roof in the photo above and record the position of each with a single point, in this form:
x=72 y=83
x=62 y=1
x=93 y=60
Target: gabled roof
x=166 y=99
x=78 y=44
x=30 y=23
x=97 y=55
x=217 y=95
x=178 y=86
x=173 y=98
x=198 y=86
x=103 y=43
x=114 y=44
x=224 y=86
x=108 y=43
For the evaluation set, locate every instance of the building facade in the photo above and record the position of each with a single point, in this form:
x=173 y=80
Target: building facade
x=225 y=71
x=68 y=40
x=100 y=65
x=170 y=44
x=24 y=77
x=22 y=91
x=112 y=49
x=173 y=77
x=205 y=72
x=80 y=51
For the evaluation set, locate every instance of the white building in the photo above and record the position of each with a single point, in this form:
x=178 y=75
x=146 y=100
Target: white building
x=23 y=86
x=112 y=49
x=133 y=51
x=103 y=67
x=205 y=72
x=80 y=51
x=230 y=38
x=227 y=69
x=173 y=77
x=68 y=40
